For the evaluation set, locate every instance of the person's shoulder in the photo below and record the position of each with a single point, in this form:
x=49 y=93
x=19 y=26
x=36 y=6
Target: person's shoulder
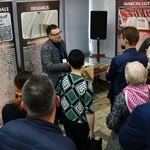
x=145 y=107
x=120 y=99
x=121 y=95
x=147 y=39
x=118 y=58
x=47 y=43
x=142 y=55
x=66 y=143
x=122 y=56
x=9 y=106
x=8 y=141
x=62 y=41
x=14 y=124
x=64 y=74
x=142 y=111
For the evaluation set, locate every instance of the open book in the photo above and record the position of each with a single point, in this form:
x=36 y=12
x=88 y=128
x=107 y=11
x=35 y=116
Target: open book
x=34 y=23
x=141 y=23
x=38 y=31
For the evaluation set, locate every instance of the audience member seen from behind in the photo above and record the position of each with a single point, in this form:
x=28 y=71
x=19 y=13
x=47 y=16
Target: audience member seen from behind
x=13 y=110
x=115 y=73
x=145 y=45
x=76 y=96
x=37 y=130
x=136 y=132
x=134 y=94
x=53 y=54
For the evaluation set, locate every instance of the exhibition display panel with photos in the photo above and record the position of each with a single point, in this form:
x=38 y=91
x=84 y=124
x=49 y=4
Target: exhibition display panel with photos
x=32 y=20
x=133 y=13
x=8 y=64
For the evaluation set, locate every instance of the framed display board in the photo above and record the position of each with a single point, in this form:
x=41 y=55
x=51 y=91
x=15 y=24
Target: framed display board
x=133 y=13
x=22 y=33
x=8 y=63
x=33 y=19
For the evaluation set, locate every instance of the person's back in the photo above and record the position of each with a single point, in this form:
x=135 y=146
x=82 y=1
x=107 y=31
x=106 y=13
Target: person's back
x=134 y=94
x=121 y=61
x=135 y=134
x=115 y=74
x=34 y=134
x=37 y=130
x=76 y=96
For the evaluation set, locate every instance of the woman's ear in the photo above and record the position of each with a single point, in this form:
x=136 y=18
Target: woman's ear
x=23 y=106
x=57 y=101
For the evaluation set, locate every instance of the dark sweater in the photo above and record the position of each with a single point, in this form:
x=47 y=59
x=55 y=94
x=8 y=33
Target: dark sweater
x=11 y=112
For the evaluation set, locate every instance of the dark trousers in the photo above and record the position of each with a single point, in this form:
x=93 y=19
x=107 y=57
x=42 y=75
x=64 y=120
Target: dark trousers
x=78 y=132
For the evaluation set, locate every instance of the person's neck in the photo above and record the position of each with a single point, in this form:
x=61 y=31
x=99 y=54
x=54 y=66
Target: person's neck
x=50 y=117
x=76 y=71
x=129 y=46
x=58 y=43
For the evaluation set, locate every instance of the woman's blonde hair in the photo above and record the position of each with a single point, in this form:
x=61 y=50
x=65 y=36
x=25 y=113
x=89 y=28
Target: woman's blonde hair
x=135 y=73
x=19 y=81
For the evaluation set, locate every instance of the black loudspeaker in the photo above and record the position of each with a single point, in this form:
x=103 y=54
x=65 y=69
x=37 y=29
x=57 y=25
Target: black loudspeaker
x=98 y=24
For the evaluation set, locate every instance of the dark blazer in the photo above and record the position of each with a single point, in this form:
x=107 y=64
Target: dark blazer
x=116 y=71
x=135 y=135
x=51 y=61
x=33 y=134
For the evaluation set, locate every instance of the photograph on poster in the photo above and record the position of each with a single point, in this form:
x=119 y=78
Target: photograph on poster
x=134 y=16
x=8 y=63
x=6 y=33
x=137 y=16
x=34 y=24
x=141 y=23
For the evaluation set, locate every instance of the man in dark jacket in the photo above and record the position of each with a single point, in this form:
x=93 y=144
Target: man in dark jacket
x=135 y=134
x=37 y=131
x=115 y=73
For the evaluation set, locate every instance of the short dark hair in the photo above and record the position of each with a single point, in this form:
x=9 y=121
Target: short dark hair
x=131 y=34
x=38 y=94
x=76 y=58
x=50 y=28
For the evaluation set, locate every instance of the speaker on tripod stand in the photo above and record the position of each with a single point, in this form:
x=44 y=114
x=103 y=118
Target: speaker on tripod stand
x=98 y=29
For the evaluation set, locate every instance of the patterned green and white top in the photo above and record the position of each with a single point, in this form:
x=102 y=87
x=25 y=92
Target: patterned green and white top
x=76 y=95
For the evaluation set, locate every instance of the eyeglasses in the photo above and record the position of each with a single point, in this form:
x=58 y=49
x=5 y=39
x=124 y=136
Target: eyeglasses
x=56 y=34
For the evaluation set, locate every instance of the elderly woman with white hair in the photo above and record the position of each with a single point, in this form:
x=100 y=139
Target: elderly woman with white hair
x=134 y=94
